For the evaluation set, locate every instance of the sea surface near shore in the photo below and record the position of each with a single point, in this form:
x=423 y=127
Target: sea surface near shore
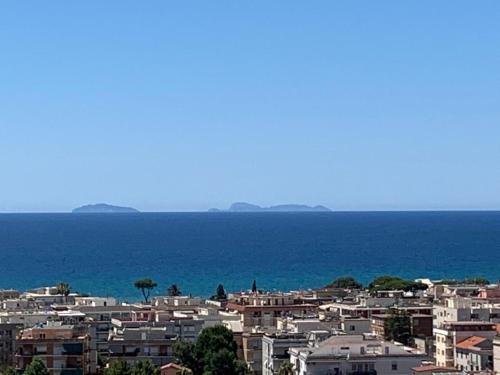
x=103 y=254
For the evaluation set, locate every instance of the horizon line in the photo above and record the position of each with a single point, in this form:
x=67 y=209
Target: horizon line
x=263 y=212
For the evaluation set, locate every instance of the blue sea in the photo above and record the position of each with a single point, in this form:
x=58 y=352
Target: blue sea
x=103 y=254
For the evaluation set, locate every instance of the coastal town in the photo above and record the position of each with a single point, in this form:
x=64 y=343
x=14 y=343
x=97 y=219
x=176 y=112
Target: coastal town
x=391 y=326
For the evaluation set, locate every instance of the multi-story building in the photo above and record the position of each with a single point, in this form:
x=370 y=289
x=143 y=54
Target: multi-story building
x=366 y=311
x=474 y=354
x=251 y=343
x=8 y=333
x=132 y=341
x=348 y=354
x=263 y=309
x=276 y=347
x=461 y=309
x=420 y=325
x=64 y=349
x=451 y=333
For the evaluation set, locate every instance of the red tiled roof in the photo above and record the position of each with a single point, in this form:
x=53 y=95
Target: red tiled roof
x=173 y=365
x=470 y=342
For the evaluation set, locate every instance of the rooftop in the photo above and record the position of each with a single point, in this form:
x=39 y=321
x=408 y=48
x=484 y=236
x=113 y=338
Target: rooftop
x=471 y=342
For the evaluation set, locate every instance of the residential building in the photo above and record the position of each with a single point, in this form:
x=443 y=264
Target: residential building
x=65 y=349
x=263 y=309
x=8 y=333
x=251 y=343
x=451 y=333
x=276 y=347
x=475 y=353
x=348 y=354
x=362 y=310
x=132 y=341
x=420 y=325
x=457 y=308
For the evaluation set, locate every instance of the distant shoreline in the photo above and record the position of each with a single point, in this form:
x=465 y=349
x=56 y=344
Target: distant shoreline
x=256 y=212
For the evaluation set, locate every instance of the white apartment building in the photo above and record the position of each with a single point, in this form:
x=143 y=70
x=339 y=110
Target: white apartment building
x=459 y=309
x=340 y=355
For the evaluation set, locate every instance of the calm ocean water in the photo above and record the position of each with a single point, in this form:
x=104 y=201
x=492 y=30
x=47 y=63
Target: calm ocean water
x=103 y=254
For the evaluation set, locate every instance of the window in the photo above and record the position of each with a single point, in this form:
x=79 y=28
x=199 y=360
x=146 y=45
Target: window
x=394 y=366
x=352 y=328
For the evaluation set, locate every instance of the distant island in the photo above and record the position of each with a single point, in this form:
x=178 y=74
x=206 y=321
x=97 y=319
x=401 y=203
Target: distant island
x=248 y=207
x=102 y=208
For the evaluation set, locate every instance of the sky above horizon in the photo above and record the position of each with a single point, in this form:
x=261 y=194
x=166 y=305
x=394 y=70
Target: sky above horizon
x=180 y=106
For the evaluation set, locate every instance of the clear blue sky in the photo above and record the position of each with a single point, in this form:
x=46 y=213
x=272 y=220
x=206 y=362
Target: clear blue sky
x=187 y=105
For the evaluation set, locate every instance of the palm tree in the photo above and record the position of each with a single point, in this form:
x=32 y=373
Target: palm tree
x=63 y=289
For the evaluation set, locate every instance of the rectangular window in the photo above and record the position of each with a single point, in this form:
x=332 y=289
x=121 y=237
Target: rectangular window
x=394 y=366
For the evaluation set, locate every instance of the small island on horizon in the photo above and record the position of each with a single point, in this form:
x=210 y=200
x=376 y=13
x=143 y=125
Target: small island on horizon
x=248 y=207
x=103 y=208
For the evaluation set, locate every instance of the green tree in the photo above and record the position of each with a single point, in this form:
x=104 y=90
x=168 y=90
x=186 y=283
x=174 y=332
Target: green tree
x=8 y=370
x=174 y=291
x=36 y=367
x=145 y=367
x=286 y=368
x=395 y=283
x=145 y=286
x=397 y=327
x=64 y=289
x=184 y=355
x=254 y=287
x=119 y=367
x=214 y=353
x=346 y=282
x=220 y=294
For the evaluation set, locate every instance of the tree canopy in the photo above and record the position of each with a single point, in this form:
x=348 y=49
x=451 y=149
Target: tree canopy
x=254 y=287
x=145 y=286
x=214 y=353
x=145 y=367
x=286 y=368
x=174 y=291
x=8 y=370
x=36 y=367
x=220 y=294
x=119 y=367
x=345 y=282
x=395 y=283
x=397 y=327
x=63 y=288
